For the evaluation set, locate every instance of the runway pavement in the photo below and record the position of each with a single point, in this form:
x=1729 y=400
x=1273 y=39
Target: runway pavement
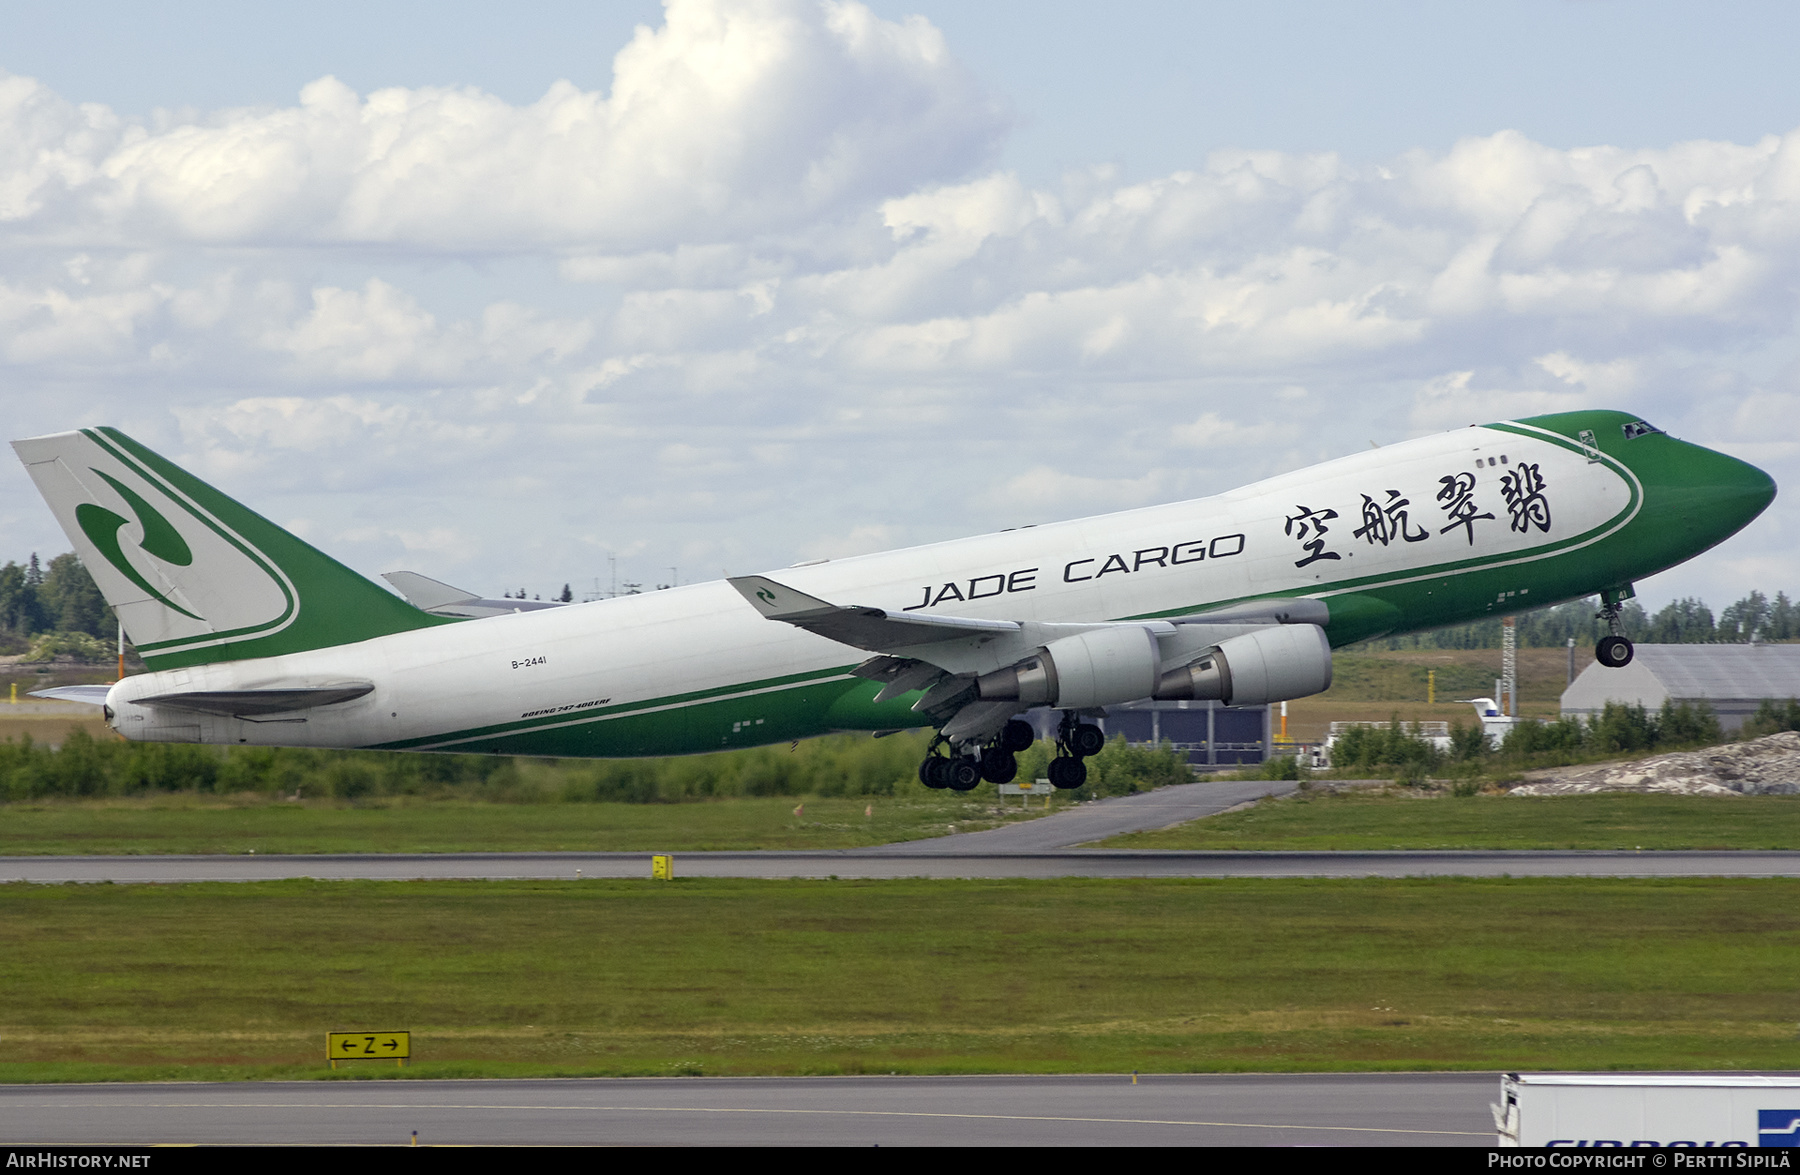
x=1101 y=819
x=1441 y=1109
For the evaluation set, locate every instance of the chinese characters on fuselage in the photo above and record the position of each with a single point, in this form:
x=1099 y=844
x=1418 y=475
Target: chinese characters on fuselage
x=1309 y=527
x=1523 y=490
x=1387 y=522
x=1386 y=519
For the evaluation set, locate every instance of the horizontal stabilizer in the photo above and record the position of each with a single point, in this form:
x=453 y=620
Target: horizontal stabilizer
x=874 y=629
x=422 y=591
x=92 y=695
x=440 y=599
x=241 y=702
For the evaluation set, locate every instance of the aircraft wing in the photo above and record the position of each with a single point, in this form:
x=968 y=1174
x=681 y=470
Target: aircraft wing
x=874 y=629
x=943 y=655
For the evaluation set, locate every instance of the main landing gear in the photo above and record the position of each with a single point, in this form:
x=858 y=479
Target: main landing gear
x=1076 y=741
x=997 y=762
x=1613 y=651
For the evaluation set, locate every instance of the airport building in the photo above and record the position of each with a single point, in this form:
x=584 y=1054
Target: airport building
x=1210 y=734
x=1733 y=679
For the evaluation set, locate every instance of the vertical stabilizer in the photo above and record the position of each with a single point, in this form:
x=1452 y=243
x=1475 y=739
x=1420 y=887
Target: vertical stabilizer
x=194 y=576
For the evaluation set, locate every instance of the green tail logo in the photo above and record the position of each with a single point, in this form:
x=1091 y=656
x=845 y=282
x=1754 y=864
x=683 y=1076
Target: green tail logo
x=160 y=538
x=153 y=534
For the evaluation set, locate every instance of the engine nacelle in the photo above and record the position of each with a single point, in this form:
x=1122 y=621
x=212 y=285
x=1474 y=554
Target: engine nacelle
x=1112 y=665
x=1268 y=665
x=1099 y=668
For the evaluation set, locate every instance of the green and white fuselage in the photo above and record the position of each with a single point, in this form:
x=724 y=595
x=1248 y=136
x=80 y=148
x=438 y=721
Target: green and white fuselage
x=229 y=611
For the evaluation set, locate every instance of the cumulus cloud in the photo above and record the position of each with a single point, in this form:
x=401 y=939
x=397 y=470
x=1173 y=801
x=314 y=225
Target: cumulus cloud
x=731 y=118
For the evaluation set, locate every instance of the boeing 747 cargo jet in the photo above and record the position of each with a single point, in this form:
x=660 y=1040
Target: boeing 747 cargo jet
x=253 y=637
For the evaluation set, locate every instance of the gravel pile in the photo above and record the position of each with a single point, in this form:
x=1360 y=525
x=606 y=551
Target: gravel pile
x=1762 y=767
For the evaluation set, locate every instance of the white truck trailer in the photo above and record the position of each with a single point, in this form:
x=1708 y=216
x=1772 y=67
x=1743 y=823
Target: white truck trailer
x=1647 y=1109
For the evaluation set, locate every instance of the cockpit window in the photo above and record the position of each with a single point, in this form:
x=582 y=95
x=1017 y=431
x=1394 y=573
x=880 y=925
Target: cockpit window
x=1639 y=428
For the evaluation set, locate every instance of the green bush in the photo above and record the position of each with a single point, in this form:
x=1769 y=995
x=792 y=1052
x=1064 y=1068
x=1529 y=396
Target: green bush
x=78 y=645
x=1120 y=769
x=1468 y=743
x=1531 y=737
x=1396 y=747
x=1283 y=767
x=837 y=765
x=1622 y=727
x=1688 y=725
x=1773 y=717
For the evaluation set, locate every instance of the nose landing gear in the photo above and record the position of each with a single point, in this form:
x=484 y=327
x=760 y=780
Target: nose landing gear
x=1613 y=651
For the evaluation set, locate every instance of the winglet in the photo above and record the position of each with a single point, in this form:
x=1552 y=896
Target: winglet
x=777 y=601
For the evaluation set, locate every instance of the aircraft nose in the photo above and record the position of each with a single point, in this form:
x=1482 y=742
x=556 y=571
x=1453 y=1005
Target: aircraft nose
x=1721 y=494
x=1743 y=489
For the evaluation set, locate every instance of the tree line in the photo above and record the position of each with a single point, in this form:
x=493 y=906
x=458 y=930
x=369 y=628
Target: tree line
x=60 y=597
x=1680 y=622
x=835 y=765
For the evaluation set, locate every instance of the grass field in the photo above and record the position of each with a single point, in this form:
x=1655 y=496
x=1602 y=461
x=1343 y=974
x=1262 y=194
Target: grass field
x=185 y=823
x=1318 y=819
x=729 y=977
x=1355 y=819
x=1374 y=685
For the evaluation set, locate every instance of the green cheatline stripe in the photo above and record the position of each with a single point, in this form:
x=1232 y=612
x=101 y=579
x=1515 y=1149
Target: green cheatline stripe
x=1480 y=562
x=627 y=709
x=250 y=553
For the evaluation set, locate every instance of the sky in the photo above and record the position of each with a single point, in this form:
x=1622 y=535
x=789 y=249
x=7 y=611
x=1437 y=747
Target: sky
x=518 y=296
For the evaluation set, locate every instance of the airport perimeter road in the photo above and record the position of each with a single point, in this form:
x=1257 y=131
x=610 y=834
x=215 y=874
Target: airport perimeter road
x=888 y=862
x=1406 y=1109
x=1096 y=821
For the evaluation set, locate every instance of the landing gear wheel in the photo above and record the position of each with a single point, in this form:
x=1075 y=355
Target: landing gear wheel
x=998 y=765
x=962 y=775
x=1017 y=736
x=1086 y=741
x=1614 y=652
x=934 y=772
x=1067 y=773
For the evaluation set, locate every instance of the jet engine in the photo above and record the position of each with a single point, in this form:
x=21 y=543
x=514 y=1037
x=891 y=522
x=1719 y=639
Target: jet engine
x=1268 y=665
x=1097 y=668
x=1108 y=666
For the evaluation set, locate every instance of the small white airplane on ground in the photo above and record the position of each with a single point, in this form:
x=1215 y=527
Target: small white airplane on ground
x=253 y=637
